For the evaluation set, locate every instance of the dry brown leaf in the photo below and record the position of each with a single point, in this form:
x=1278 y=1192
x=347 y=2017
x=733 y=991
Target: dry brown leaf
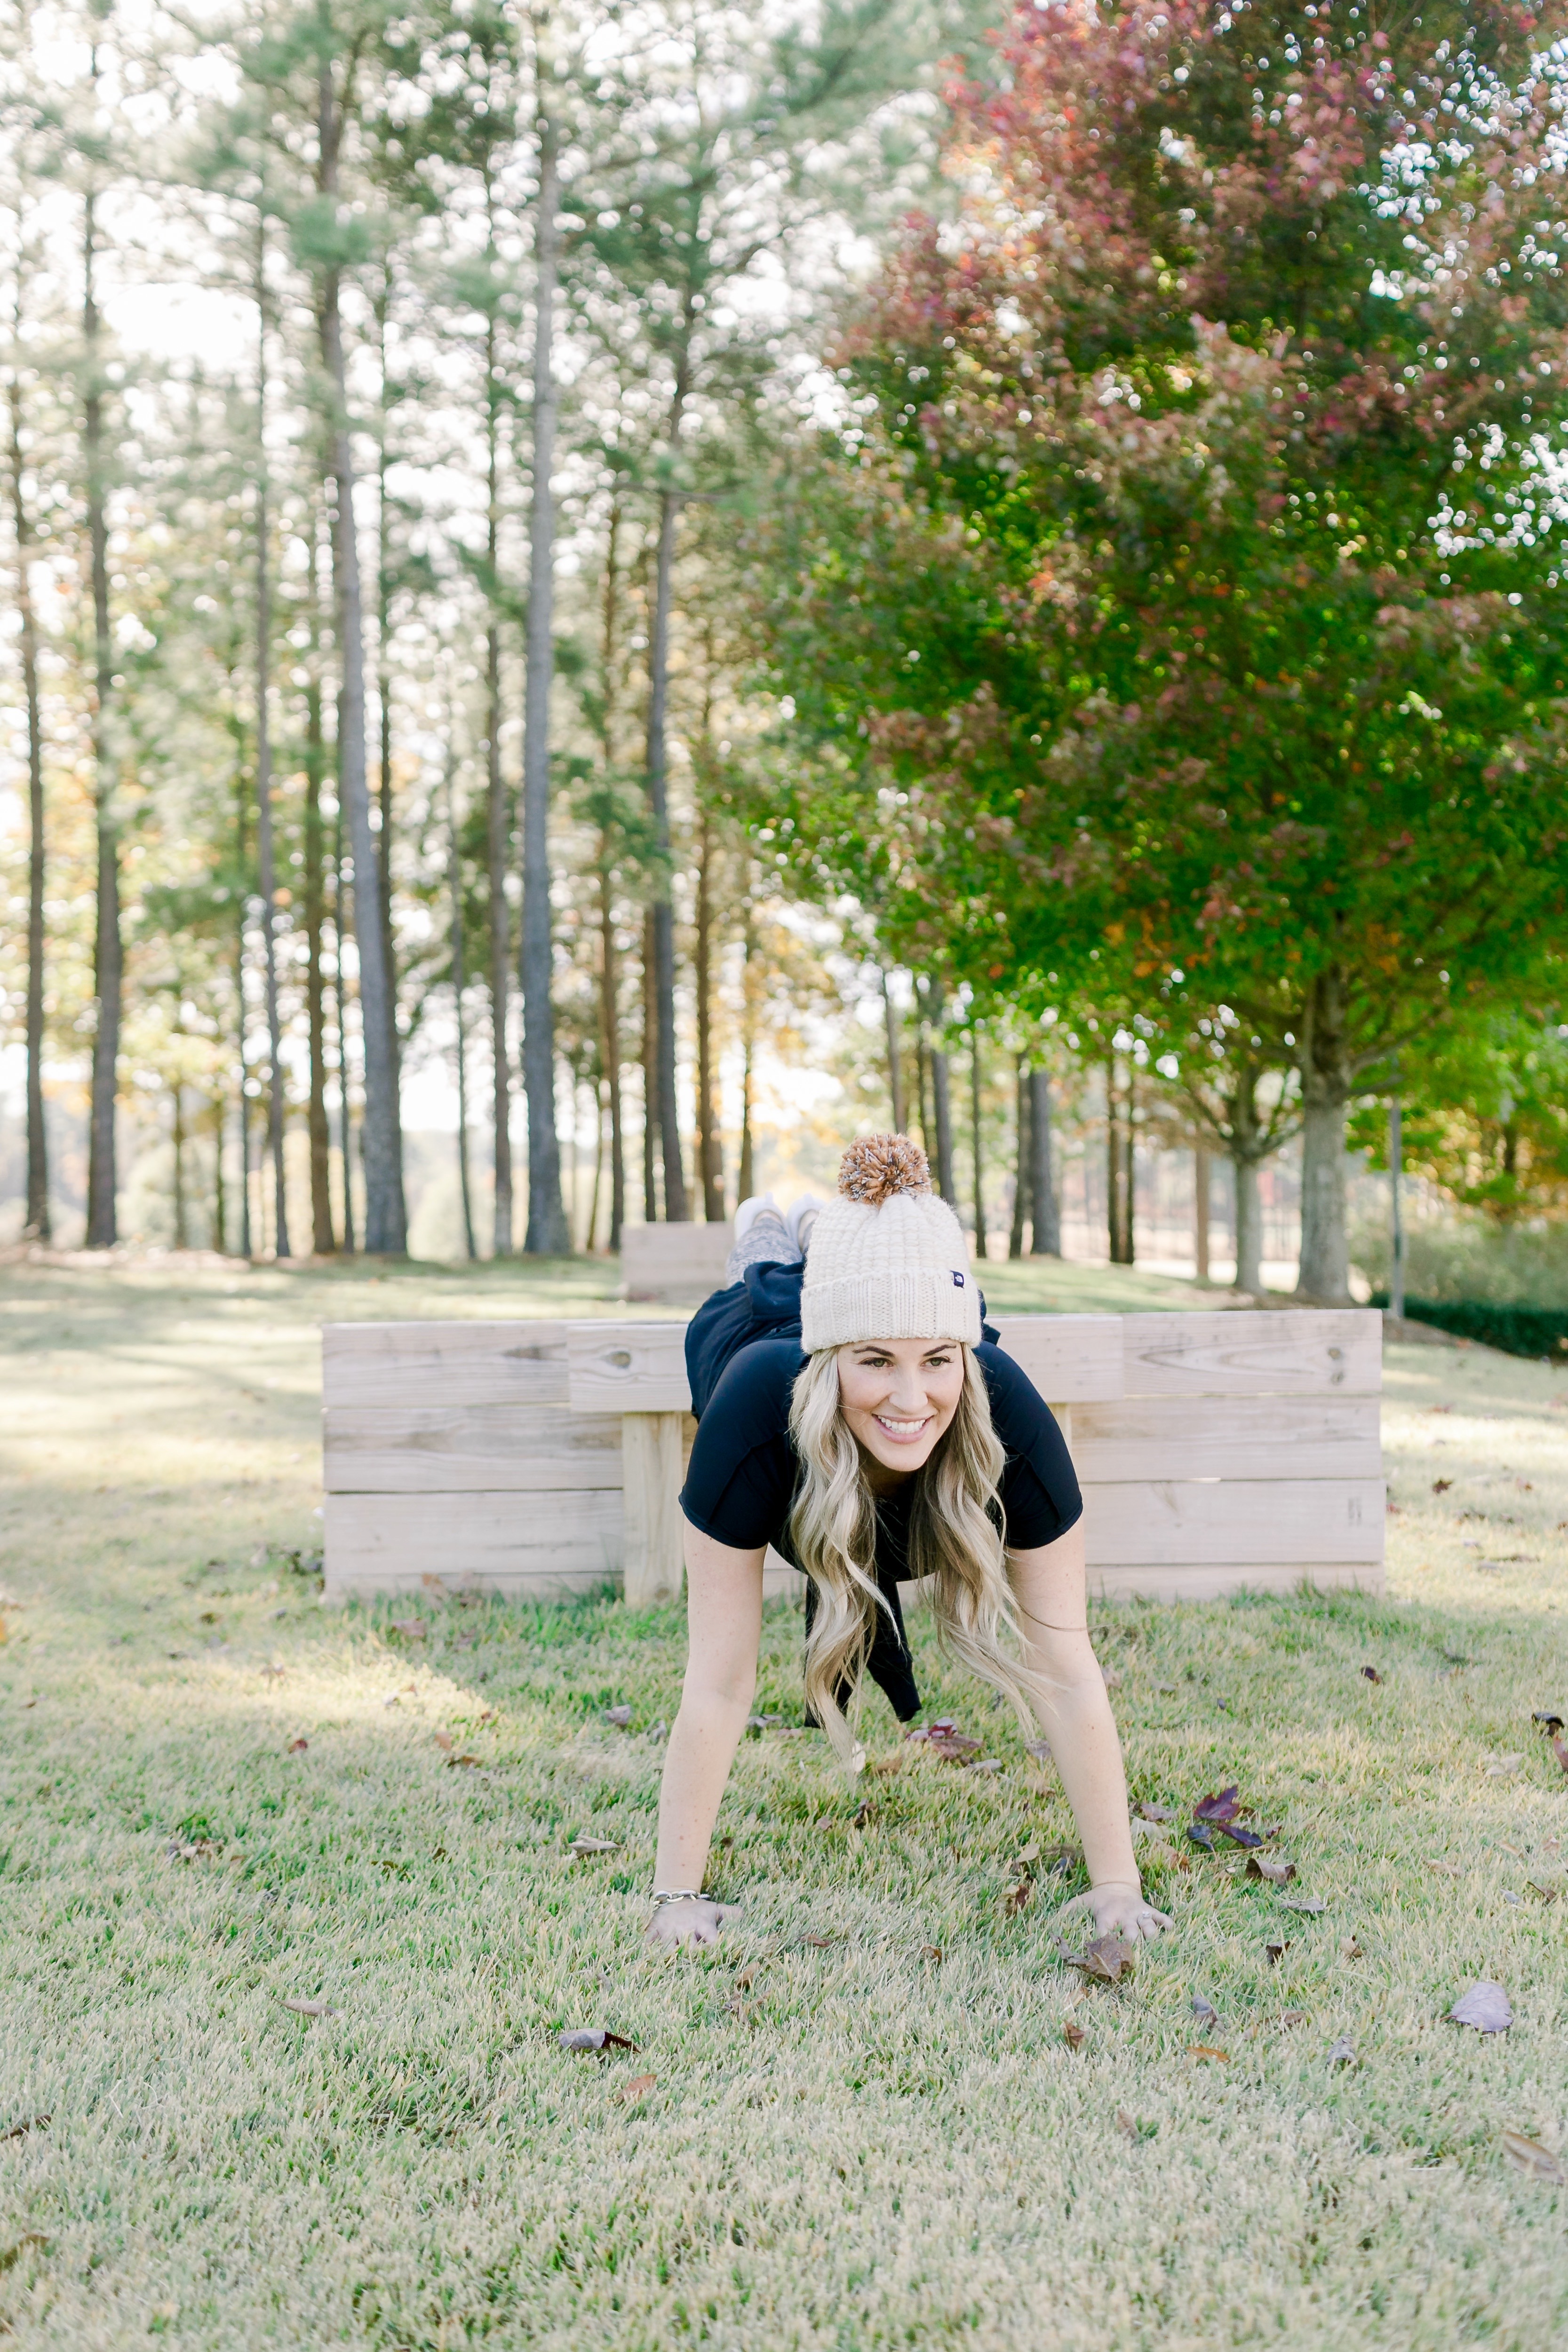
x=1340 y=2052
x=637 y=2088
x=1485 y=2007
x=298 y=1746
x=1105 y=1961
x=443 y=1739
x=580 y=1844
x=436 y=1590
x=1017 y=1898
x=745 y=1980
x=1157 y=1813
x=465 y=1763
x=1293 y=2016
x=1207 y=2049
x=28 y=2124
x=931 y=1952
x=1350 y=1950
x=311 y=2008
x=1531 y=2157
x=1503 y=1768
x=1278 y=1873
x=1073 y=2036
x=619 y=1715
x=593 y=2037
x=1128 y=2124
x=820 y=1943
x=412 y=1629
x=1449 y=1869
x=1277 y=1952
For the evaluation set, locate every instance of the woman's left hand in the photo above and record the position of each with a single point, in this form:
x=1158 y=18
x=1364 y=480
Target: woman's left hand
x=1119 y=1910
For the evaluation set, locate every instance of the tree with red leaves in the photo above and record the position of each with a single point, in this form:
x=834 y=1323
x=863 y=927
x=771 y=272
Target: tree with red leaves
x=1178 y=613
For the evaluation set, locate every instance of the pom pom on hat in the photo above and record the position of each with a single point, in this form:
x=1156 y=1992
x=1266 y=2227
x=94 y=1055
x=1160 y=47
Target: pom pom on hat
x=887 y=1259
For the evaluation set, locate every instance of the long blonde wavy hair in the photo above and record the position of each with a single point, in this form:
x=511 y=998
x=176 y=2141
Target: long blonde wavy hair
x=955 y=1547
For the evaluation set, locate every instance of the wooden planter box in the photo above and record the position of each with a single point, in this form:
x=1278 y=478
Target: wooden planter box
x=1217 y=1451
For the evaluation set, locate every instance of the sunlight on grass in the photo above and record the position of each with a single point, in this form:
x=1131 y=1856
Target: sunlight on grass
x=848 y=2142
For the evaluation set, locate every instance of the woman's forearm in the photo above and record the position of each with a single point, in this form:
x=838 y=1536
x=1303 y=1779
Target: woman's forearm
x=702 y=1745
x=1077 y=1723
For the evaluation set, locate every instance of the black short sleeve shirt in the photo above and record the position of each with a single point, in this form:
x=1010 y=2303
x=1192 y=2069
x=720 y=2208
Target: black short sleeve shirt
x=741 y=1482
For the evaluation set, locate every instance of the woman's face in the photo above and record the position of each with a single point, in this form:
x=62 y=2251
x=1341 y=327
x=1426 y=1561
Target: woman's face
x=899 y=1395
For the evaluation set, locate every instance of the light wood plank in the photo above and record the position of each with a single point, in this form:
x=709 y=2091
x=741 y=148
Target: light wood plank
x=387 y=1543
x=1179 y=1523
x=1227 y=1438
x=1298 y=1351
x=651 y=1459
x=1170 y=1584
x=780 y=1581
x=674 y=1262
x=627 y=1367
x=468 y=1449
x=1075 y=1359
x=384 y=1365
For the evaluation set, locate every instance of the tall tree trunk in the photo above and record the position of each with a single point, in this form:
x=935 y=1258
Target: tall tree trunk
x=709 y=1150
x=745 y=1174
x=266 y=874
x=498 y=812
x=37 y=1225
x=1023 y=1155
x=1202 y=1182
x=109 y=964
x=182 y=1222
x=598 y=1169
x=981 y=1249
x=1326 y=1081
x=1045 y=1232
x=241 y=854
x=343 y=916
x=675 y=1207
x=322 y=1240
x=1130 y=1171
x=548 y=1234
x=895 y=1058
x=1244 y=1159
x=649 y=1075
x=609 y=960
x=218 y=1109
x=1113 y=1162
x=941 y=1105
x=385 y=1217
x=383 y=692
x=923 y=1092
x=459 y=982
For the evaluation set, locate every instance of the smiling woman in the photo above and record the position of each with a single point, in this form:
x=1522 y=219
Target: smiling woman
x=853 y=1415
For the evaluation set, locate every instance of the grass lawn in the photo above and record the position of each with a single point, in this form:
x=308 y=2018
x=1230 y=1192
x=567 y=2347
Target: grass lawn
x=217 y=1798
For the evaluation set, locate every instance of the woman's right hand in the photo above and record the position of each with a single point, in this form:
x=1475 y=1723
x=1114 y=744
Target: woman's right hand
x=674 y=1924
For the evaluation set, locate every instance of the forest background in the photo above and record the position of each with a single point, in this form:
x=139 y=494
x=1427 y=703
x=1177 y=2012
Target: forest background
x=694 y=578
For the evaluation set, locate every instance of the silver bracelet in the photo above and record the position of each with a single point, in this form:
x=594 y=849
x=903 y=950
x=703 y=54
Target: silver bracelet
x=678 y=1895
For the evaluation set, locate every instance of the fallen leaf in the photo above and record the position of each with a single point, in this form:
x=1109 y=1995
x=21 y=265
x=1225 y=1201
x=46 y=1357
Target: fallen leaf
x=1017 y=1898
x=657 y=1732
x=443 y=1739
x=1370 y=1675
x=1485 y=2006
x=637 y=2088
x=413 y=1629
x=1441 y=1485
x=746 y=1979
x=1219 y=1811
x=593 y=1845
x=1294 y=2017
x=1340 y=2052
x=436 y=1589
x=463 y=1763
x=1547 y=1720
x=1350 y=1950
x=984 y=1764
x=952 y=1747
x=1277 y=1952
x=619 y=1715
x=311 y=2008
x=931 y=1952
x=28 y=2124
x=12 y=2254
x=821 y=1943
x=1041 y=1750
x=298 y=1746
x=1205 y=2011
x=1164 y=1856
x=1449 y=1869
x=1503 y=1768
x=1312 y=1903
x=1157 y=1813
x=1278 y=1873
x=1547 y=1889
x=1531 y=2157
x=593 y=2037
x=1201 y=1834
x=1135 y=2131
x=1105 y=1961
x=1206 y=2050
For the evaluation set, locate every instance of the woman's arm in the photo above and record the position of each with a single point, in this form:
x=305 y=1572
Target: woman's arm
x=1049 y=1585
x=724 y=1621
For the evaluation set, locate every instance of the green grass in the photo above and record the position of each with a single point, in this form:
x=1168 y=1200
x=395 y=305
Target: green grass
x=848 y=2145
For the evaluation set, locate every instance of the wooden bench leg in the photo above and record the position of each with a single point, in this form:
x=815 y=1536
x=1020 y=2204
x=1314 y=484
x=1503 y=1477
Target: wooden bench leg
x=650 y=1479
x=1063 y=1413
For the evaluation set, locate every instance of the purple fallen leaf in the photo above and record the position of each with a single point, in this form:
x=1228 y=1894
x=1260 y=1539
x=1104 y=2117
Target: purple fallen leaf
x=1238 y=1836
x=1218 y=1808
x=1201 y=1834
x=593 y=2037
x=1485 y=2006
x=1340 y=2052
x=1531 y=2157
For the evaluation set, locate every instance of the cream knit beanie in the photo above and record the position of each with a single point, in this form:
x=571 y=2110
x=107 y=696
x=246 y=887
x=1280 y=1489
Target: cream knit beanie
x=887 y=1258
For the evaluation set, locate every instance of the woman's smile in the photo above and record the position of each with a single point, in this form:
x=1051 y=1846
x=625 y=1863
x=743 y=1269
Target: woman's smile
x=904 y=1433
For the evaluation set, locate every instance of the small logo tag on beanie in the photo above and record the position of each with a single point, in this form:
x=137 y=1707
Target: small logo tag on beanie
x=957 y=1279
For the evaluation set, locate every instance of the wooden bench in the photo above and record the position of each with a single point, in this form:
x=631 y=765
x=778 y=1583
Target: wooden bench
x=1217 y=1451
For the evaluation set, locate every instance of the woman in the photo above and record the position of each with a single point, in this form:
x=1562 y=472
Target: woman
x=851 y=1414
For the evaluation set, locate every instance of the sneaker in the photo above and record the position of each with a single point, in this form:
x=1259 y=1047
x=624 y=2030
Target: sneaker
x=760 y=1205
x=803 y=1215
